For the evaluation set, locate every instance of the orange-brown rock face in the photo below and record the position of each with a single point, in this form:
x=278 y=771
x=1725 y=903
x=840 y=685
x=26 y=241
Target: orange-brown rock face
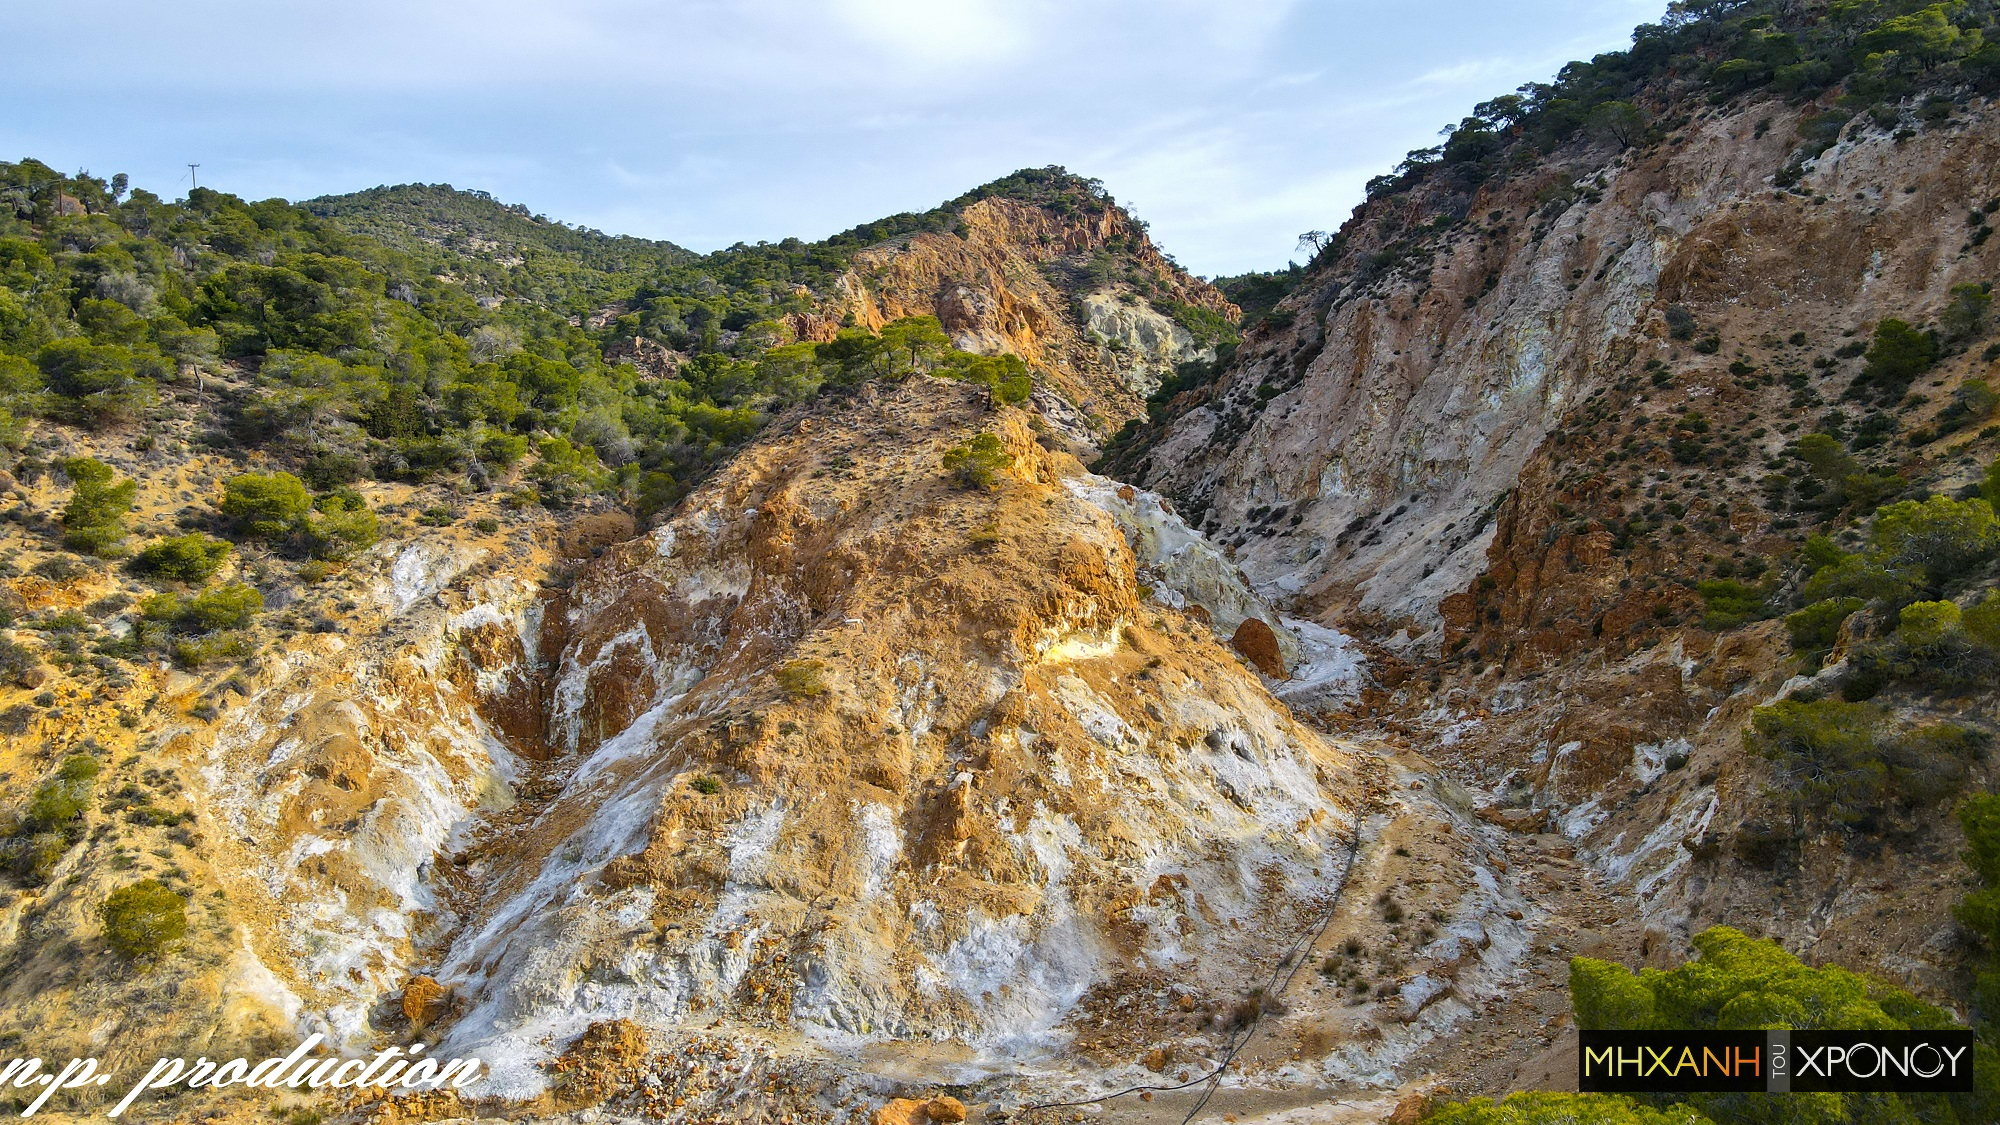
x=855 y=747
x=1007 y=280
x=1362 y=461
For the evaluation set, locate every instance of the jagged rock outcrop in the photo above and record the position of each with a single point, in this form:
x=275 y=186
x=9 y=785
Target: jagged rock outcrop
x=1361 y=460
x=1507 y=433
x=860 y=751
x=1014 y=277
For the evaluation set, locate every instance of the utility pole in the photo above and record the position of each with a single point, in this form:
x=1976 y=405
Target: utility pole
x=191 y=184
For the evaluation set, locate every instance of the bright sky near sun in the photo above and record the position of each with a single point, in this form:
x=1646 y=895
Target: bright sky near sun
x=1230 y=125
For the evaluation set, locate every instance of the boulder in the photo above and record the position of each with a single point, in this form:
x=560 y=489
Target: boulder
x=1259 y=645
x=910 y=1111
x=424 y=1000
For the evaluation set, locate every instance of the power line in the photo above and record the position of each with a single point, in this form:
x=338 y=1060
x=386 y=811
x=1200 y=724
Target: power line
x=1242 y=1036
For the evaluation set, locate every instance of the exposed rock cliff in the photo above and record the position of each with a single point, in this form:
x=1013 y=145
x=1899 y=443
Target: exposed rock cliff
x=1072 y=293
x=1362 y=459
x=1507 y=434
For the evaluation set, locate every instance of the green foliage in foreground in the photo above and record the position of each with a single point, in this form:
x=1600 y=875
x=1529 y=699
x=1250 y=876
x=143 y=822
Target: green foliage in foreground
x=1980 y=910
x=1743 y=983
x=1549 y=1108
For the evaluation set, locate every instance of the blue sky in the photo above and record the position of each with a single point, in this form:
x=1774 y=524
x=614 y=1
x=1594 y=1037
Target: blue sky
x=1230 y=126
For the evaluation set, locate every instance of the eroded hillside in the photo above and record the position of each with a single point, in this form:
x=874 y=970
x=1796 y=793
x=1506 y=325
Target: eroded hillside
x=713 y=688
x=1558 y=442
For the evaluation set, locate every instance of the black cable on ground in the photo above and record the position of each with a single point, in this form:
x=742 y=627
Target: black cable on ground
x=1241 y=1038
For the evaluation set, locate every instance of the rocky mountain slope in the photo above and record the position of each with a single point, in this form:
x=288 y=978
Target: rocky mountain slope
x=1529 y=435
x=715 y=688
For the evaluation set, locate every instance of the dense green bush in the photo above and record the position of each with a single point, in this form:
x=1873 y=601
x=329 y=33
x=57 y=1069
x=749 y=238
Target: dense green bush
x=193 y=558
x=1743 y=983
x=51 y=820
x=1815 y=628
x=265 y=505
x=94 y=519
x=1963 y=319
x=343 y=527
x=1833 y=763
x=1939 y=540
x=1980 y=910
x=224 y=607
x=143 y=919
x=1918 y=553
x=1731 y=603
x=1898 y=354
x=976 y=463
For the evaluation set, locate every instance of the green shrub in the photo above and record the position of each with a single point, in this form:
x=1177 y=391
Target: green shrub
x=1980 y=910
x=214 y=648
x=1005 y=374
x=1924 y=626
x=1897 y=356
x=1815 y=628
x=502 y=449
x=15 y=658
x=265 y=505
x=1857 y=577
x=51 y=820
x=63 y=799
x=1940 y=539
x=1731 y=603
x=1821 y=752
x=94 y=520
x=1963 y=318
x=1982 y=622
x=193 y=558
x=1541 y=1107
x=1825 y=458
x=100 y=382
x=565 y=472
x=1818 y=553
x=343 y=527
x=1744 y=983
x=143 y=920
x=1738 y=983
x=976 y=463
x=1831 y=760
x=225 y=607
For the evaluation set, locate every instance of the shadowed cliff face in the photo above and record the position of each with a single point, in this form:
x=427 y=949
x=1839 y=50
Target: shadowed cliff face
x=1361 y=461
x=1507 y=434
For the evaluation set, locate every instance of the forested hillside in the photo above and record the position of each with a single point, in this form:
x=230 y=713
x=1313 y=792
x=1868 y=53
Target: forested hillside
x=422 y=333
